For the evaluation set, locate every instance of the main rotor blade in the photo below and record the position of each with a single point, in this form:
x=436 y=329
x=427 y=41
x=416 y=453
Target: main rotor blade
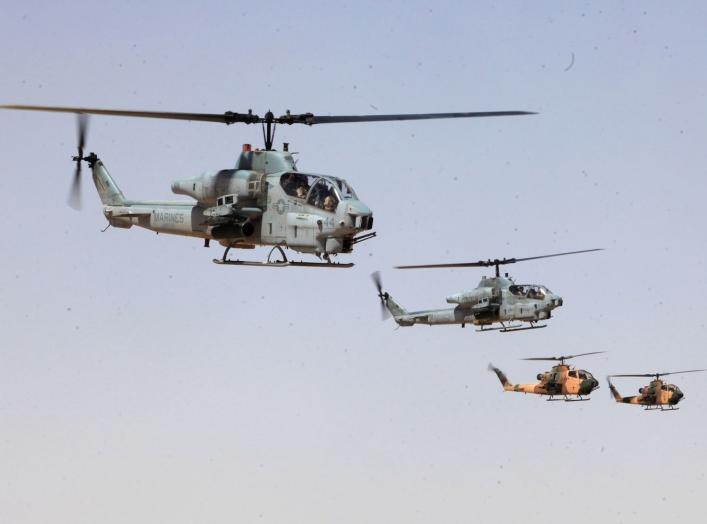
x=678 y=372
x=559 y=254
x=565 y=357
x=230 y=117
x=658 y=374
x=480 y=263
x=224 y=118
x=496 y=262
x=314 y=119
x=634 y=375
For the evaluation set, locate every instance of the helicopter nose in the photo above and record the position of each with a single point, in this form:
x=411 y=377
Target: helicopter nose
x=360 y=214
x=677 y=397
x=557 y=302
x=588 y=386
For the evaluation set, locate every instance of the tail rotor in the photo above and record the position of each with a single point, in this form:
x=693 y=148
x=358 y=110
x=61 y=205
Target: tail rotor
x=385 y=314
x=74 y=199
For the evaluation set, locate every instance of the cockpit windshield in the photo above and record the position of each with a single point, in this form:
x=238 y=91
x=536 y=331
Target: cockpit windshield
x=296 y=184
x=345 y=189
x=528 y=291
x=322 y=191
x=324 y=195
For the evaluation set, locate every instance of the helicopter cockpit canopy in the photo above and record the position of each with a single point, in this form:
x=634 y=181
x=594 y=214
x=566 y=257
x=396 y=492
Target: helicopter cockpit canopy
x=322 y=191
x=671 y=387
x=581 y=374
x=529 y=291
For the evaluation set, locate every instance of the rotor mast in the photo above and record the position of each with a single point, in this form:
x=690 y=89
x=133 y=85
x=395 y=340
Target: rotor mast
x=269 y=125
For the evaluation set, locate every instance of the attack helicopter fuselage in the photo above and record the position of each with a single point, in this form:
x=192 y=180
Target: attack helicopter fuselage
x=263 y=201
x=656 y=394
x=258 y=202
x=560 y=380
x=494 y=300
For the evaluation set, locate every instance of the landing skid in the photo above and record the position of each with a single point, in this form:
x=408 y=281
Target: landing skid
x=567 y=399
x=510 y=329
x=660 y=408
x=284 y=262
x=332 y=265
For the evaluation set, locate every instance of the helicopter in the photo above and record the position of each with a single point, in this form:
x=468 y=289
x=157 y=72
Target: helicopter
x=657 y=395
x=496 y=300
x=262 y=201
x=560 y=380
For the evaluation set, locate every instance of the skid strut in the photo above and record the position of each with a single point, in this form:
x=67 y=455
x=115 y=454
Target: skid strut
x=282 y=262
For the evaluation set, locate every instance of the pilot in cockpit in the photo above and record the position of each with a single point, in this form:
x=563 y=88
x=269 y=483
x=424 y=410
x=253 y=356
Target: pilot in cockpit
x=289 y=183
x=329 y=203
x=301 y=191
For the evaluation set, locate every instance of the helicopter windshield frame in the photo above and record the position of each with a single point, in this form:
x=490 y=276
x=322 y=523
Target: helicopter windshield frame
x=324 y=194
x=532 y=291
x=292 y=181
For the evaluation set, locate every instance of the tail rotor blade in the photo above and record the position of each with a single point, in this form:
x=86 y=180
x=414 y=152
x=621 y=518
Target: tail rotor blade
x=75 y=191
x=385 y=314
x=82 y=127
x=376 y=276
x=74 y=199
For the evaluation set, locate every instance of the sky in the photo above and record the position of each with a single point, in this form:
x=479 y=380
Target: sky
x=140 y=382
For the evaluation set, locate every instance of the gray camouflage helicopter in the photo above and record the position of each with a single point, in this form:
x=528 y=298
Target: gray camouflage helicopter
x=263 y=201
x=496 y=300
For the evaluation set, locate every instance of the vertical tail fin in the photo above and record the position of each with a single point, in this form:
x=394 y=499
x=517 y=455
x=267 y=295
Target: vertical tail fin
x=507 y=386
x=108 y=190
x=395 y=309
x=614 y=391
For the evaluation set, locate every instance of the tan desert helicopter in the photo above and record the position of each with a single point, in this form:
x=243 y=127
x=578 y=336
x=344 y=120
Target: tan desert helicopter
x=262 y=201
x=561 y=380
x=654 y=396
x=496 y=300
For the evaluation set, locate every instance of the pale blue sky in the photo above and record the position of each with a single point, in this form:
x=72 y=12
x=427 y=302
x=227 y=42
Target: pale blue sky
x=141 y=382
